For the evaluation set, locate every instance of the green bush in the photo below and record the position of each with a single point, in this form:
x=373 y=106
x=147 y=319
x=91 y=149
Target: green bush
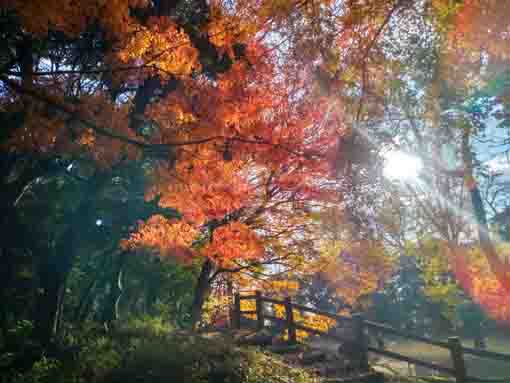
x=146 y=326
x=179 y=359
x=85 y=353
x=147 y=350
x=185 y=357
x=45 y=370
x=98 y=357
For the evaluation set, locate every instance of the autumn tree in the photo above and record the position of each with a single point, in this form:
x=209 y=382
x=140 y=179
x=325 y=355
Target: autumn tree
x=231 y=124
x=183 y=90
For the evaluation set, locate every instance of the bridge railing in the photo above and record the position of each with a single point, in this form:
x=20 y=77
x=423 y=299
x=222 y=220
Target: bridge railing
x=360 y=341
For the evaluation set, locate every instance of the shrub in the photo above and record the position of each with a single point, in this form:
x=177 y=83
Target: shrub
x=146 y=326
x=45 y=370
x=147 y=350
x=186 y=357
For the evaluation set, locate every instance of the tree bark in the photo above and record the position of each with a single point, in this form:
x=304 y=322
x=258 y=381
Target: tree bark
x=111 y=308
x=99 y=276
x=53 y=272
x=80 y=313
x=13 y=242
x=48 y=306
x=499 y=269
x=151 y=297
x=202 y=291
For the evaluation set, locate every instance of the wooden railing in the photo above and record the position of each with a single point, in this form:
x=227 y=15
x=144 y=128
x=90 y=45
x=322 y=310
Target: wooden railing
x=360 y=326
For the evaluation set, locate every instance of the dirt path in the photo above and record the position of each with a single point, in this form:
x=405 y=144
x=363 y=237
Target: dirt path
x=476 y=367
x=330 y=346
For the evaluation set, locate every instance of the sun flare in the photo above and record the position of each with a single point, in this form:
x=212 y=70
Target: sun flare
x=400 y=165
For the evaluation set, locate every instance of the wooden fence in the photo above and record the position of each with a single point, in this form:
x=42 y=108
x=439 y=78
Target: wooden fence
x=360 y=327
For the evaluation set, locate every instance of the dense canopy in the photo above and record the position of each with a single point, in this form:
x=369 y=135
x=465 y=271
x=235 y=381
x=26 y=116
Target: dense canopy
x=241 y=145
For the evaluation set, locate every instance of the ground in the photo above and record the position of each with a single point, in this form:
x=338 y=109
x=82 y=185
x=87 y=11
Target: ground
x=476 y=367
x=332 y=364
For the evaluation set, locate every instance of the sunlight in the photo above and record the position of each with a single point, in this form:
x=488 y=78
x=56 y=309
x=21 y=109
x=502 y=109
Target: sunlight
x=402 y=166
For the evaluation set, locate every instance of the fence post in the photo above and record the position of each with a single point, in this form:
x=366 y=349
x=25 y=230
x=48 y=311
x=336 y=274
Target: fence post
x=236 y=317
x=361 y=340
x=457 y=359
x=259 y=307
x=289 y=314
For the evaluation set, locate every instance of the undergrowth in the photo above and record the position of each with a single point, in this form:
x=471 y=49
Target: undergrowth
x=145 y=350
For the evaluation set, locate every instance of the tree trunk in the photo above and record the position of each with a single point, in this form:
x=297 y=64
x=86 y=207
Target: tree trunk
x=86 y=297
x=151 y=297
x=48 y=306
x=111 y=308
x=202 y=291
x=499 y=269
x=13 y=242
x=54 y=271
x=10 y=190
x=25 y=54
x=98 y=277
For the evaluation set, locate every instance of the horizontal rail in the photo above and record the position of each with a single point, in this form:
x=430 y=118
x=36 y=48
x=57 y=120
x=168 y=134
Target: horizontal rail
x=393 y=355
x=392 y=330
x=468 y=379
x=323 y=313
x=482 y=380
x=310 y=330
x=274 y=301
x=359 y=323
x=308 y=309
x=247 y=297
x=338 y=338
x=486 y=354
x=433 y=366
x=438 y=343
x=273 y=318
x=305 y=328
x=408 y=359
x=389 y=329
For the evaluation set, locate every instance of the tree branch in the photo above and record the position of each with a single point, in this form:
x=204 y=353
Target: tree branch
x=47 y=99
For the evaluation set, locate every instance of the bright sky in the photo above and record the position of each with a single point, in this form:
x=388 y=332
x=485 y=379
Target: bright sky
x=401 y=166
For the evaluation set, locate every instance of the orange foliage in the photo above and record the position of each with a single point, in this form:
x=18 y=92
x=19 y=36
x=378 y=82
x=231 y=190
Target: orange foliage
x=73 y=17
x=482 y=26
x=100 y=110
x=232 y=241
x=252 y=137
x=50 y=130
x=226 y=30
x=41 y=132
x=249 y=305
x=162 y=45
x=169 y=237
x=215 y=312
x=473 y=272
x=358 y=269
x=281 y=287
x=200 y=189
x=477 y=37
x=314 y=321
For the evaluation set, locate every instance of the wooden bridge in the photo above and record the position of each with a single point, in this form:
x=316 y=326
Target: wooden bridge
x=359 y=342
